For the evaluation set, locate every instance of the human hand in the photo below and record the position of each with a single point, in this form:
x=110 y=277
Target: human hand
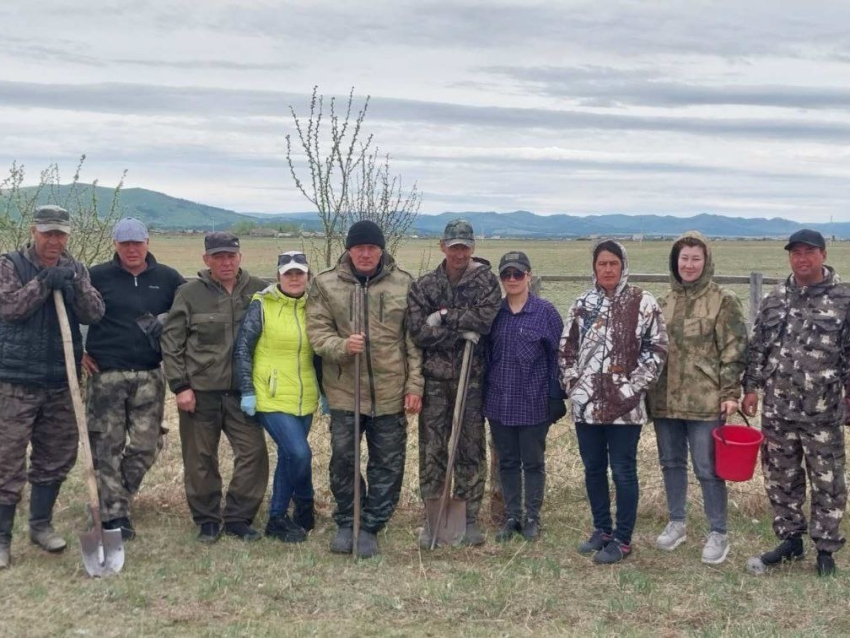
x=728 y=408
x=355 y=344
x=557 y=409
x=186 y=400
x=434 y=319
x=56 y=277
x=469 y=335
x=89 y=364
x=248 y=404
x=749 y=405
x=412 y=403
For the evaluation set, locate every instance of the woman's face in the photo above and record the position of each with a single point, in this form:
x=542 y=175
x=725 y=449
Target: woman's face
x=608 y=269
x=691 y=263
x=293 y=282
x=514 y=281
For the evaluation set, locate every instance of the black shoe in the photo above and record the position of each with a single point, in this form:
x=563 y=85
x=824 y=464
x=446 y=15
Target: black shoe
x=304 y=514
x=123 y=523
x=507 y=531
x=242 y=530
x=531 y=529
x=367 y=544
x=343 y=541
x=614 y=551
x=789 y=549
x=209 y=532
x=825 y=564
x=285 y=529
x=598 y=539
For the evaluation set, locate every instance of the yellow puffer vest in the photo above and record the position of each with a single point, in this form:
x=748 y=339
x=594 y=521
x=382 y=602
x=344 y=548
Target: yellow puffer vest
x=284 y=376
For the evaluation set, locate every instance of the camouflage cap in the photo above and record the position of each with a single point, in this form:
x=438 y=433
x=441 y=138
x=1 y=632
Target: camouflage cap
x=47 y=218
x=221 y=243
x=458 y=231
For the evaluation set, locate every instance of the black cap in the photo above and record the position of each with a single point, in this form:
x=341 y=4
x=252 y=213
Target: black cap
x=221 y=243
x=516 y=259
x=365 y=232
x=808 y=237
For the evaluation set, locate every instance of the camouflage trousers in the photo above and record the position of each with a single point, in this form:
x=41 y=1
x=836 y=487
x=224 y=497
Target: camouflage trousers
x=386 y=441
x=125 y=411
x=435 y=428
x=785 y=446
x=44 y=418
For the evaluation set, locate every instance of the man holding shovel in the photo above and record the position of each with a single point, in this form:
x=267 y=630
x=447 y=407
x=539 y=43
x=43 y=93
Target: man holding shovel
x=34 y=394
x=454 y=304
x=390 y=379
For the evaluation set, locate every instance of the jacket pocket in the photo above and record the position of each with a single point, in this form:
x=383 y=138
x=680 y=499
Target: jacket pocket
x=210 y=328
x=618 y=397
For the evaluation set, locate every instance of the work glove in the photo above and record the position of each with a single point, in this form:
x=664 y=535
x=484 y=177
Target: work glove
x=469 y=335
x=249 y=404
x=152 y=327
x=557 y=404
x=433 y=319
x=56 y=277
x=324 y=408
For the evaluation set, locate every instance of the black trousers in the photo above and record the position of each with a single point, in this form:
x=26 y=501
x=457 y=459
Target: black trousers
x=522 y=466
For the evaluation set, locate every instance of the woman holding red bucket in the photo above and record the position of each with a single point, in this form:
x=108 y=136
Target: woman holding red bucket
x=702 y=379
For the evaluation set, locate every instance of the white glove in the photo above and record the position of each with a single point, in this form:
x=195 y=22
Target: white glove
x=434 y=319
x=471 y=336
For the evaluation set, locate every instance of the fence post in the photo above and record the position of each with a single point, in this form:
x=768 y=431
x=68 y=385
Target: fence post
x=755 y=295
x=536 y=285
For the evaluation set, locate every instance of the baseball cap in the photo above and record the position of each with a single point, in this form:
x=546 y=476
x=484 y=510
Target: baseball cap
x=129 y=229
x=458 y=231
x=292 y=260
x=516 y=259
x=47 y=218
x=220 y=242
x=808 y=237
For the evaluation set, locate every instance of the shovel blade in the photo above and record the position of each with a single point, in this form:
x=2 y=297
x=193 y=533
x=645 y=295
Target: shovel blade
x=103 y=552
x=453 y=526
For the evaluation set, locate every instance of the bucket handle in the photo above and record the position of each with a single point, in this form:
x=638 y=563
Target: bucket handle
x=720 y=429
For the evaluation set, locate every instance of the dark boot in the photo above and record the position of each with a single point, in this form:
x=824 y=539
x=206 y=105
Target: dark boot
x=285 y=529
x=7 y=519
x=304 y=514
x=42 y=500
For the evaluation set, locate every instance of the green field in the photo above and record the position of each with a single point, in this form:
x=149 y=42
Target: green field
x=172 y=586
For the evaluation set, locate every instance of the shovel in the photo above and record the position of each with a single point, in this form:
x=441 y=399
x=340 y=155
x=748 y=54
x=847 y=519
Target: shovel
x=446 y=516
x=358 y=310
x=103 y=549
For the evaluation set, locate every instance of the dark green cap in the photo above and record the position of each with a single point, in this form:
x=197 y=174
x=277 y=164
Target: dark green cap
x=458 y=231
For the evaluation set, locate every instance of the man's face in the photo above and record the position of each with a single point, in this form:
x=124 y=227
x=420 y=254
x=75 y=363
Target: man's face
x=131 y=253
x=224 y=266
x=806 y=263
x=365 y=258
x=458 y=256
x=49 y=245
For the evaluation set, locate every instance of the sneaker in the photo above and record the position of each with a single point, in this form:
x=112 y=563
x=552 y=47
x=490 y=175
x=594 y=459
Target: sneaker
x=123 y=523
x=787 y=550
x=672 y=536
x=531 y=529
x=825 y=564
x=613 y=552
x=343 y=541
x=473 y=536
x=598 y=539
x=506 y=532
x=285 y=529
x=716 y=548
x=367 y=544
x=209 y=532
x=242 y=530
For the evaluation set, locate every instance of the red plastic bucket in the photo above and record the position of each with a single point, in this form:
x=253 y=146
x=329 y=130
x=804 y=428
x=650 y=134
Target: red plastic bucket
x=736 y=448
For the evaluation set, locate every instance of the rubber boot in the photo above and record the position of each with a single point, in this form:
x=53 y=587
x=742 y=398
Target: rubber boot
x=42 y=499
x=7 y=519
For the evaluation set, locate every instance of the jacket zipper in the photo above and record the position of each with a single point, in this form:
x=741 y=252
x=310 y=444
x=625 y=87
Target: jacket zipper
x=298 y=358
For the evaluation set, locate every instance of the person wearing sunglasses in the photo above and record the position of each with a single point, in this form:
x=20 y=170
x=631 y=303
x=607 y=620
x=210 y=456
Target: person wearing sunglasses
x=277 y=375
x=521 y=368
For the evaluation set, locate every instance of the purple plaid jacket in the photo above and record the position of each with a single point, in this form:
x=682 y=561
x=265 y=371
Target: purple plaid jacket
x=522 y=353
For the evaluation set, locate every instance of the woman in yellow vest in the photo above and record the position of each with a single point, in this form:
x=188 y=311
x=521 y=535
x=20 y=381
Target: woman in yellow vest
x=277 y=377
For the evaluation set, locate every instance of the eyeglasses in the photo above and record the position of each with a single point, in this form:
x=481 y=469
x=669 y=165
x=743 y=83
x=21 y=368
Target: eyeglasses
x=298 y=258
x=506 y=275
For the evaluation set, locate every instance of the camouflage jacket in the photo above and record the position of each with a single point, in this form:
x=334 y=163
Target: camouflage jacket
x=611 y=351
x=707 y=353
x=472 y=305
x=392 y=364
x=799 y=351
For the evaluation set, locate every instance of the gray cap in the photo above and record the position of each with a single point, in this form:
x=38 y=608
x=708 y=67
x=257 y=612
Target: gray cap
x=221 y=243
x=516 y=259
x=458 y=231
x=47 y=218
x=129 y=229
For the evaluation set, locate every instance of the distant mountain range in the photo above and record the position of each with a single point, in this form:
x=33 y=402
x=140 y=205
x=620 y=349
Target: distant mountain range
x=168 y=213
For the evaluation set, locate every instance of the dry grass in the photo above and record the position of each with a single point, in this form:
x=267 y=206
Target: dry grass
x=172 y=586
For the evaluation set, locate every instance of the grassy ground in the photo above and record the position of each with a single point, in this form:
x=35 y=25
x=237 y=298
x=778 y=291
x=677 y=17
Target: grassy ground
x=172 y=586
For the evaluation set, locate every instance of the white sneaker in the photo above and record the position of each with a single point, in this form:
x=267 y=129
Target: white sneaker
x=716 y=548
x=672 y=536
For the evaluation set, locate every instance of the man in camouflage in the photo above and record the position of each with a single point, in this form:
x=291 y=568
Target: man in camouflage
x=798 y=356
x=390 y=379
x=126 y=387
x=458 y=301
x=35 y=400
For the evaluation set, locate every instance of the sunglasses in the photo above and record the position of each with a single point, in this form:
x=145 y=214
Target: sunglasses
x=298 y=258
x=505 y=275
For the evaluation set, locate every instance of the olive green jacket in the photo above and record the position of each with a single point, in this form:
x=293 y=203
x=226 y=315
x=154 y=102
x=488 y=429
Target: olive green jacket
x=391 y=366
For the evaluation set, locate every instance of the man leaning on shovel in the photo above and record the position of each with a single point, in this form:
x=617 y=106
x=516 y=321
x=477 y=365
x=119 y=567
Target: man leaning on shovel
x=453 y=304
x=34 y=393
x=390 y=379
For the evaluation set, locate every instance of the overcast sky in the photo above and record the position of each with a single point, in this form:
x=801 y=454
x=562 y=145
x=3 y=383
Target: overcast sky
x=729 y=107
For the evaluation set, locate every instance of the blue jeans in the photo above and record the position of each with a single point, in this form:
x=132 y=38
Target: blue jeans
x=293 y=476
x=598 y=444
x=674 y=436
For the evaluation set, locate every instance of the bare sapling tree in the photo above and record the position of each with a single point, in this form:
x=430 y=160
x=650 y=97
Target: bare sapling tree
x=91 y=224
x=331 y=157
x=381 y=198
